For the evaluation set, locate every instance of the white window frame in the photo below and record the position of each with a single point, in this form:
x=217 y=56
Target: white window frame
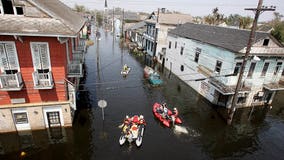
x=23 y=126
x=16 y=54
x=33 y=55
x=53 y=109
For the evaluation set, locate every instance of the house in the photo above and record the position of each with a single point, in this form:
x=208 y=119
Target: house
x=208 y=58
x=135 y=33
x=157 y=26
x=41 y=61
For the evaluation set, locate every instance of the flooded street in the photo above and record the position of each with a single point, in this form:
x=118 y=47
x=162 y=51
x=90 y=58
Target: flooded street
x=203 y=134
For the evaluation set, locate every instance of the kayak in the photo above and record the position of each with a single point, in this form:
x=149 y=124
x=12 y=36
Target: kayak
x=125 y=72
x=132 y=132
x=167 y=121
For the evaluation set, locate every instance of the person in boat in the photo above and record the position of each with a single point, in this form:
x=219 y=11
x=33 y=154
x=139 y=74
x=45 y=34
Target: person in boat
x=142 y=120
x=126 y=124
x=160 y=109
x=125 y=67
x=165 y=111
x=175 y=112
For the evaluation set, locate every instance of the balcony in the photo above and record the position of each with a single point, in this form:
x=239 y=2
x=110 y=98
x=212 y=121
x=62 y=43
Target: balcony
x=75 y=69
x=82 y=45
x=11 y=82
x=78 y=56
x=43 y=80
x=226 y=89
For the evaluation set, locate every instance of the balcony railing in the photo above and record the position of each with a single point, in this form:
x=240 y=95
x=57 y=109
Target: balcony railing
x=11 y=82
x=75 y=69
x=82 y=45
x=78 y=56
x=43 y=80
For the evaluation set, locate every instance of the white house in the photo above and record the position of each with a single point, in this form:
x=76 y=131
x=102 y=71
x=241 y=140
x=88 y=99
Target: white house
x=208 y=59
x=157 y=27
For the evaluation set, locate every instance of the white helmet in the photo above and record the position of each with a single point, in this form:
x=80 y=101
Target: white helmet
x=127 y=116
x=175 y=109
x=141 y=117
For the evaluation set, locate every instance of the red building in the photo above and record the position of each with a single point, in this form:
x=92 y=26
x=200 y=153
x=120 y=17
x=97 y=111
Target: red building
x=41 y=61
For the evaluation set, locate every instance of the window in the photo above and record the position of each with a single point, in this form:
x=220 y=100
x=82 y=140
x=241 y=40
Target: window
x=182 y=68
x=8 y=58
x=170 y=44
x=197 y=53
x=19 y=10
x=40 y=56
x=265 y=68
x=152 y=46
x=218 y=66
x=181 y=50
x=237 y=68
x=251 y=69
x=265 y=42
x=242 y=99
x=277 y=68
x=7 y=6
x=175 y=44
x=21 y=118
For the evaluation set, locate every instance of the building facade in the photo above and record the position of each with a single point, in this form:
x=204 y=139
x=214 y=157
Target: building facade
x=157 y=26
x=208 y=58
x=41 y=60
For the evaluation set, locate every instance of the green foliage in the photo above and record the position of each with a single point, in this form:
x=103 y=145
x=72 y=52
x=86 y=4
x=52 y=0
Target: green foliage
x=215 y=18
x=278 y=32
x=80 y=8
x=99 y=18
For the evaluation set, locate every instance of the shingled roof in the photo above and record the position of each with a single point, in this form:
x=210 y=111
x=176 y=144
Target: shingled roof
x=227 y=38
x=60 y=21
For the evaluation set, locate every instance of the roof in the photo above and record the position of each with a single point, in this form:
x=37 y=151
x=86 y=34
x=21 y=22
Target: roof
x=61 y=21
x=228 y=38
x=172 y=18
x=137 y=25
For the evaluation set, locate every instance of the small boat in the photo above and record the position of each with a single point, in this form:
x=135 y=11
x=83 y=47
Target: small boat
x=125 y=72
x=155 y=79
x=148 y=71
x=133 y=131
x=168 y=120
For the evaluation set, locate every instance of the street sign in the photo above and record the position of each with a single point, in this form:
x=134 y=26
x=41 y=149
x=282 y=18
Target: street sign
x=102 y=104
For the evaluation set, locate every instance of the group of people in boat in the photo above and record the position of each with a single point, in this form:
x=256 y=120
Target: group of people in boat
x=131 y=123
x=163 y=110
x=125 y=67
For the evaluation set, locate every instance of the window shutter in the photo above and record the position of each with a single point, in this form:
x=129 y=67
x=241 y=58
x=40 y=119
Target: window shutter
x=12 y=56
x=36 y=57
x=4 y=63
x=44 y=56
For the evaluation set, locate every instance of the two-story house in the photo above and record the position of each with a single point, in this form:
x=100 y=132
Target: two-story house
x=157 y=26
x=208 y=59
x=41 y=62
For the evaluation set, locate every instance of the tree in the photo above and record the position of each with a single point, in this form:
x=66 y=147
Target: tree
x=99 y=18
x=278 y=27
x=233 y=20
x=79 y=8
x=215 y=18
x=245 y=22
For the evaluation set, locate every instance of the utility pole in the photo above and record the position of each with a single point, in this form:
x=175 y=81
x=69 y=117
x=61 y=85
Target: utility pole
x=122 y=24
x=258 y=11
x=155 y=38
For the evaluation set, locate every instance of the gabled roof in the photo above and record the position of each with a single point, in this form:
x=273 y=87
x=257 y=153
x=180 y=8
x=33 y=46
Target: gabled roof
x=60 y=21
x=227 y=38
